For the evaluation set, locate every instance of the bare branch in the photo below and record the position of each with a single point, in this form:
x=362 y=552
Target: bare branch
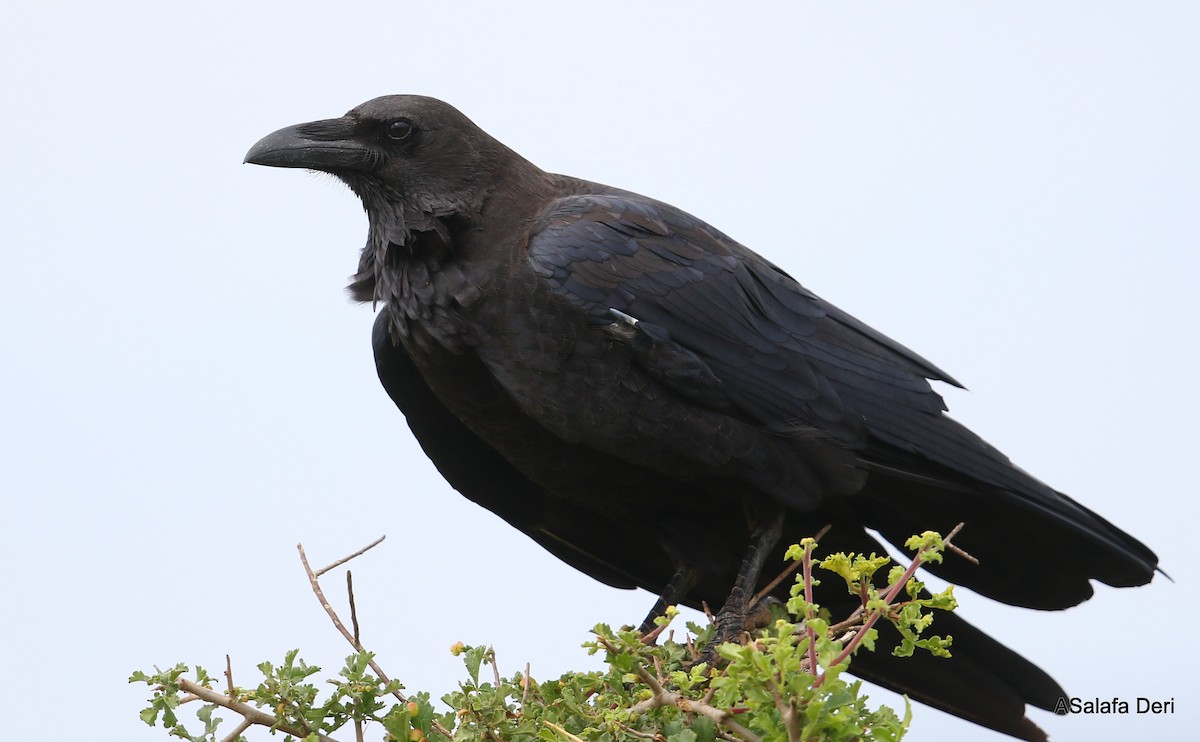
x=333 y=616
x=718 y=716
x=237 y=733
x=337 y=622
x=345 y=559
x=959 y=550
x=353 y=608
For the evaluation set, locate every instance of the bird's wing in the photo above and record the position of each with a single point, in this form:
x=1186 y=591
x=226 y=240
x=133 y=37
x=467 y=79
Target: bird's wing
x=780 y=356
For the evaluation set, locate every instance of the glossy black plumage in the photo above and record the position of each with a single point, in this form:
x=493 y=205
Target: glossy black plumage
x=630 y=387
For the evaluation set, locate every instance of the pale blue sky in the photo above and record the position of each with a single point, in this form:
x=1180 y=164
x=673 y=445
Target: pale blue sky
x=1011 y=189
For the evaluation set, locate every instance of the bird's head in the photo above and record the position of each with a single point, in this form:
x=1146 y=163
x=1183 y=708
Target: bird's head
x=416 y=162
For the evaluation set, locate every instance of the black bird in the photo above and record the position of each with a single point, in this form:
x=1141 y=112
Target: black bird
x=660 y=407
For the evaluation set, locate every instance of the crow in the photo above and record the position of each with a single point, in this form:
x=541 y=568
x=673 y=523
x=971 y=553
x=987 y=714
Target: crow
x=660 y=407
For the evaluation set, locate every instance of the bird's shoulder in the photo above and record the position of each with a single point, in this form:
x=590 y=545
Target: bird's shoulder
x=607 y=249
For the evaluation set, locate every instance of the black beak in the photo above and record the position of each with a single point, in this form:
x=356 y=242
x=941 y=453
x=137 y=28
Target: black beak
x=327 y=145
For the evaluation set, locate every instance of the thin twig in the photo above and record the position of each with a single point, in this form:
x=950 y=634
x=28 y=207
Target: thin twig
x=333 y=616
x=491 y=656
x=295 y=705
x=786 y=571
x=358 y=725
x=236 y=734
x=248 y=712
x=527 y=681
x=961 y=552
x=337 y=622
x=650 y=636
x=345 y=559
x=562 y=731
x=854 y=619
x=229 y=678
x=353 y=609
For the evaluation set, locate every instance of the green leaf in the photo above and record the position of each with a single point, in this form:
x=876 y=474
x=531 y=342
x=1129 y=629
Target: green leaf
x=684 y=735
x=473 y=658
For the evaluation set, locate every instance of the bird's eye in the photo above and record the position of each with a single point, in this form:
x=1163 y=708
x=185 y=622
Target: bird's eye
x=400 y=129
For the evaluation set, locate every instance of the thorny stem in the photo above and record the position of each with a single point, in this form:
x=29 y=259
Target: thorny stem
x=660 y=696
x=808 y=599
x=248 y=712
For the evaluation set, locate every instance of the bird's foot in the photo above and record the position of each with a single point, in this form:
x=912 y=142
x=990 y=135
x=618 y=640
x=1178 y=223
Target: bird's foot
x=736 y=626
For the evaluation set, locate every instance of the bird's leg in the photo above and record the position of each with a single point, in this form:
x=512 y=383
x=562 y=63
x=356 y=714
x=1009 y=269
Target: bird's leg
x=731 y=619
x=682 y=581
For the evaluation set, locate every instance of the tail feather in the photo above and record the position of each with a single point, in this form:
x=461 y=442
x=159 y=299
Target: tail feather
x=1029 y=554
